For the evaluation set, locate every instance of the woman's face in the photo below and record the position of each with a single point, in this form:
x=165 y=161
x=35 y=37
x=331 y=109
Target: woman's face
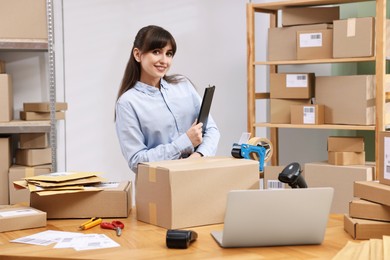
x=154 y=64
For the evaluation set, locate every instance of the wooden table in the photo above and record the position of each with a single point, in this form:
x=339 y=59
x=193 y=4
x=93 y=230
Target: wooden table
x=143 y=241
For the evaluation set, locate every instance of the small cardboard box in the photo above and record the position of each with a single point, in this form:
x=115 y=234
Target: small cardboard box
x=16 y=218
x=309 y=15
x=292 y=85
x=114 y=201
x=2 y=66
x=33 y=140
x=369 y=210
x=44 y=106
x=282 y=41
x=6 y=98
x=38 y=116
x=271 y=178
x=5 y=163
x=341 y=178
x=372 y=191
x=345 y=144
x=384 y=158
x=23 y=19
x=354 y=37
x=365 y=229
x=346 y=158
x=347 y=99
x=193 y=192
x=280 y=109
x=315 y=44
x=33 y=157
x=307 y=114
x=18 y=172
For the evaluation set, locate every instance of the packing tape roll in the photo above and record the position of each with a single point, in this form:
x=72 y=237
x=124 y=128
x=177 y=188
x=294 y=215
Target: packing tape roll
x=264 y=142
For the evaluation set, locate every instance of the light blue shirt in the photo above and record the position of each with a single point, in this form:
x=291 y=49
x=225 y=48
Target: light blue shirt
x=151 y=123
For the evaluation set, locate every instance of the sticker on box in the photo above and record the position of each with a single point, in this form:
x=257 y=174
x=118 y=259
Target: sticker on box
x=307 y=40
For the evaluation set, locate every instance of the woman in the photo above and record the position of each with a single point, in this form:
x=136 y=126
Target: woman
x=155 y=113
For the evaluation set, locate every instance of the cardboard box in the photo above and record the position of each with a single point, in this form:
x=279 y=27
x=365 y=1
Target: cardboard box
x=341 y=178
x=292 y=85
x=354 y=37
x=112 y=202
x=384 y=158
x=280 y=109
x=369 y=210
x=346 y=144
x=347 y=99
x=372 y=191
x=307 y=114
x=188 y=193
x=18 y=172
x=16 y=218
x=2 y=66
x=365 y=229
x=315 y=44
x=282 y=41
x=271 y=178
x=6 y=98
x=309 y=15
x=5 y=163
x=44 y=106
x=32 y=116
x=33 y=140
x=23 y=19
x=33 y=157
x=346 y=158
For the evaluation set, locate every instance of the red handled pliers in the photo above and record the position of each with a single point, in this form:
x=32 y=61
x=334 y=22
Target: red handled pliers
x=116 y=225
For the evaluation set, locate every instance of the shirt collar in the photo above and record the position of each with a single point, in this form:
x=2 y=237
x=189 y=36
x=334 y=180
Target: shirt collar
x=150 y=90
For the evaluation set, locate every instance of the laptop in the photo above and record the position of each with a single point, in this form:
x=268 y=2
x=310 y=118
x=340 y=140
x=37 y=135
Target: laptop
x=275 y=217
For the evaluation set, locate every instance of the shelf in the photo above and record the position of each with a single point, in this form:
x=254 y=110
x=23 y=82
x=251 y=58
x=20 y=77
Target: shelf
x=19 y=126
x=297 y=62
x=24 y=44
x=294 y=3
x=325 y=126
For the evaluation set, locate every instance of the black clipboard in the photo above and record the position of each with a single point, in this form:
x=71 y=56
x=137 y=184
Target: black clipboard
x=205 y=106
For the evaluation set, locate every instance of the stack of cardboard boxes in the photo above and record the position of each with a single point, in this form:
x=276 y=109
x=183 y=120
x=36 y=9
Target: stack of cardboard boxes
x=41 y=111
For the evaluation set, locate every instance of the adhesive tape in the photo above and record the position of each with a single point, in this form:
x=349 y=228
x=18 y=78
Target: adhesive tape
x=264 y=142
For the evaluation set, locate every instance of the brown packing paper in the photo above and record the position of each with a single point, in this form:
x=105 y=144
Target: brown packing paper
x=63 y=176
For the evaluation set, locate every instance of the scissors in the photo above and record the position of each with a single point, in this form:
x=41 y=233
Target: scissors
x=116 y=225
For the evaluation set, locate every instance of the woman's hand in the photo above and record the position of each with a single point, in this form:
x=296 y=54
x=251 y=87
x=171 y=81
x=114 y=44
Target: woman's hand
x=195 y=134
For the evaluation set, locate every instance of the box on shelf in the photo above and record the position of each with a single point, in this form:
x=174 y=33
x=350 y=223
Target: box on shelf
x=365 y=209
x=341 y=178
x=365 y=229
x=346 y=158
x=372 y=191
x=6 y=98
x=354 y=37
x=18 y=172
x=345 y=144
x=44 y=106
x=23 y=19
x=270 y=180
x=5 y=163
x=315 y=44
x=33 y=157
x=282 y=41
x=114 y=201
x=33 y=140
x=32 y=116
x=16 y=218
x=384 y=158
x=292 y=85
x=188 y=193
x=2 y=66
x=280 y=109
x=307 y=114
x=309 y=15
x=348 y=100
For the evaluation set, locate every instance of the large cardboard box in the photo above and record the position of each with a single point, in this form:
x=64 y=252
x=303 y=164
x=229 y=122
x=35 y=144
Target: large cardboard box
x=6 y=98
x=354 y=37
x=5 y=163
x=345 y=144
x=292 y=85
x=341 y=178
x=366 y=229
x=372 y=191
x=347 y=99
x=33 y=140
x=282 y=41
x=383 y=173
x=271 y=178
x=17 y=173
x=365 y=209
x=307 y=114
x=23 y=19
x=114 y=201
x=280 y=109
x=193 y=192
x=309 y=15
x=33 y=157
x=16 y=218
x=347 y=158
x=315 y=44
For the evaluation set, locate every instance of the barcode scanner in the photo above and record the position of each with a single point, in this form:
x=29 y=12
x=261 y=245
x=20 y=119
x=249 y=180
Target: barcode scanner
x=291 y=175
x=180 y=239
